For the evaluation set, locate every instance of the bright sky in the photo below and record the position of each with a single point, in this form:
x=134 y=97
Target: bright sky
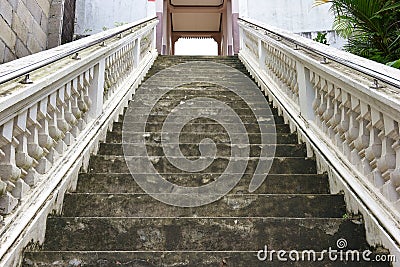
x=207 y=47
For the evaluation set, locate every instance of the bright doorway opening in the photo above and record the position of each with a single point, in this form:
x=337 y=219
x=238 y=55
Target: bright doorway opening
x=196 y=47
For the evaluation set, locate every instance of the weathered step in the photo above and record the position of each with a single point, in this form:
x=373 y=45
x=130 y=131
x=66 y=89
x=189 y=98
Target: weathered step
x=162 y=60
x=193 y=138
x=163 y=65
x=223 y=150
x=199 y=73
x=164 y=111
x=232 y=205
x=261 y=104
x=274 y=184
x=185 y=259
x=203 y=127
x=239 y=109
x=200 y=234
x=236 y=67
x=167 y=64
x=202 y=118
x=151 y=87
x=201 y=70
x=176 y=81
x=117 y=164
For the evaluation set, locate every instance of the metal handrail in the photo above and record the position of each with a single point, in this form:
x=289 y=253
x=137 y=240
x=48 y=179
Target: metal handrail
x=377 y=76
x=30 y=67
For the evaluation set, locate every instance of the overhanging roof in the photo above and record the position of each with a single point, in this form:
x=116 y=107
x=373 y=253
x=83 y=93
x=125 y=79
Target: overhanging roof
x=196 y=15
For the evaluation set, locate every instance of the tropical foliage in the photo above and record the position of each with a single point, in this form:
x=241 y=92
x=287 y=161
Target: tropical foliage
x=372 y=27
x=321 y=38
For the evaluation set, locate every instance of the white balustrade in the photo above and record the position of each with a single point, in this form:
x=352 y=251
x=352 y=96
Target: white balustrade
x=334 y=108
x=44 y=125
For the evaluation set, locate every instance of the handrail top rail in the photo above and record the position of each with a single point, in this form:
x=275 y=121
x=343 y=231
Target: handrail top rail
x=25 y=65
x=377 y=71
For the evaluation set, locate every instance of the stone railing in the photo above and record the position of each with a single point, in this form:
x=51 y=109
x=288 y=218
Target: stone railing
x=55 y=106
x=346 y=109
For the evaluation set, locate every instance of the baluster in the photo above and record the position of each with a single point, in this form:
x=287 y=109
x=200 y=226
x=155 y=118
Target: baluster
x=22 y=158
x=55 y=133
x=395 y=175
x=129 y=55
x=316 y=82
x=373 y=152
x=329 y=109
x=293 y=80
x=107 y=78
x=387 y=161
x=323 y=89
x=45 y=141
x=34 y=150
x=9 y=172
x=88 y=80
x=20 y=132
x=343 y=126
x=69 y=115
x=83 y=96
x=62 y=123
x=353 y=132
x=76 y=111
x=362 y=141
x=335 y=119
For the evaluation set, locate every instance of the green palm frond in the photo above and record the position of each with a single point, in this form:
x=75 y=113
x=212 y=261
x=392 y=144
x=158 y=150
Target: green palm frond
x=371 y=26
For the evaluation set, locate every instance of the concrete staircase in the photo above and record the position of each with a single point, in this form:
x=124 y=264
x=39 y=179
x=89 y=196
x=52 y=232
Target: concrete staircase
x=110 y=221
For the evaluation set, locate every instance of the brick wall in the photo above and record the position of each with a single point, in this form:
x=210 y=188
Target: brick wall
x=23 y=27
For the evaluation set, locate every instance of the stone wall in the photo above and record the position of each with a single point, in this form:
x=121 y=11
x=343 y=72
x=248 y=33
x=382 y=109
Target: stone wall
x=23 y=27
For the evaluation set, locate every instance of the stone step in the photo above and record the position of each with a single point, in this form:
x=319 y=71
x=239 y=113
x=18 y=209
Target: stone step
x=203 y=127
x=117 y=164
x=192 y=87
x=199 y=89
x=224 y=150
x=195 y=138
x=199 y=75
x=164 y=111
x=239 y=109
x=162 y=60
x=232 y=205
x=200 y=234
x=167 y=64
x=202 y=118
x=186 y=259
x=167 y=103
x=196 y=69
x=159 y=68
x=164 y=65
x=274 y=184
